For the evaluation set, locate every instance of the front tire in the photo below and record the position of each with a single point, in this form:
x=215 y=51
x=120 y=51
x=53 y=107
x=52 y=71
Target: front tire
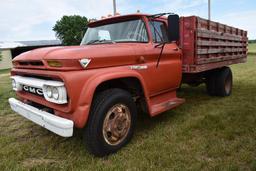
x=111 y=122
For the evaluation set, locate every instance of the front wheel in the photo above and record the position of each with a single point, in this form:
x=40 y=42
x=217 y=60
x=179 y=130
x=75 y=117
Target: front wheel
x=111 y=122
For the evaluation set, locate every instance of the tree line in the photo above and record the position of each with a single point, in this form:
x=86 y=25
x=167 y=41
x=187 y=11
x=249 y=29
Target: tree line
x=1 y=56
x=252 y=41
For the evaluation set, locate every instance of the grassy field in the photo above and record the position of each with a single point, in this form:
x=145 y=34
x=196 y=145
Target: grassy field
x=206 y=133
x=252 y=48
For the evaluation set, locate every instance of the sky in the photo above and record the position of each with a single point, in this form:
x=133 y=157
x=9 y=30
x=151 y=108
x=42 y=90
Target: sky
x=34 y=19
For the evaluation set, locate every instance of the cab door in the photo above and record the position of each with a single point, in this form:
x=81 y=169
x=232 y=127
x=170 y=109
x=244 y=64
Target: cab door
x=164 y=69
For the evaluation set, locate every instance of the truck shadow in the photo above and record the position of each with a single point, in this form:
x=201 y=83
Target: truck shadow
x=146 y=123
x=197 y=96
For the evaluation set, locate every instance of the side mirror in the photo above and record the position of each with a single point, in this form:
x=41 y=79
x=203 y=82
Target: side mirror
x=173 y=27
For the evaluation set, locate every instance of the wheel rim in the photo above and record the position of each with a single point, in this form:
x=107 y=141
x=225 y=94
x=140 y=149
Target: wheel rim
x=116 y=124
x=228 y=85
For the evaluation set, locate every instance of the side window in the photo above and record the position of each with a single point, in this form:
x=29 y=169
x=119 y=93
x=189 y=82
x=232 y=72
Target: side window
x=159 y=31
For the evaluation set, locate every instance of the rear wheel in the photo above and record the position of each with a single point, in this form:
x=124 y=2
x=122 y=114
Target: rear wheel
x=220 y=82
x=224 y=82
x=111 y=122
x=211 y=83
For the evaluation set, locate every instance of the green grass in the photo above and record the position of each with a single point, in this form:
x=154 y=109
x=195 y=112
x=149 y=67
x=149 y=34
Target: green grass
x=252 y=48
x=205 y=133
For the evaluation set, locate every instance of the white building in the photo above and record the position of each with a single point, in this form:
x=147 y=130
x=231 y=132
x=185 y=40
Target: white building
x=10 y=50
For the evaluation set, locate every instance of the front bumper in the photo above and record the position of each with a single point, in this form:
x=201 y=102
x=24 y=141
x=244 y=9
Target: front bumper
x=58 y=125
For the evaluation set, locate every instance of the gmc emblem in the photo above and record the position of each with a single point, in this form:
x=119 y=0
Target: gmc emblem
x=33 y=90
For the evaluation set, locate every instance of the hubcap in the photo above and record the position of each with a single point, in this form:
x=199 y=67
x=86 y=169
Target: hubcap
x=228 y=85
x=116 y=124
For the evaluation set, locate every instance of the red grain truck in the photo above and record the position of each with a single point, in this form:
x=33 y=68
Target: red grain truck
x=124 y=64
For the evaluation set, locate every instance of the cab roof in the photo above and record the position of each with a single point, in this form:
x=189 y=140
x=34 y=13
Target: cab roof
x=119 y=18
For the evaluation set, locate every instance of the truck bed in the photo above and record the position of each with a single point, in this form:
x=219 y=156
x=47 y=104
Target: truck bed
x=207 y=45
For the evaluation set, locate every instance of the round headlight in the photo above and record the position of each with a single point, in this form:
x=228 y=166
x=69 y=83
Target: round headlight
x=55 y=93
x=49 y=92
x=14 y=83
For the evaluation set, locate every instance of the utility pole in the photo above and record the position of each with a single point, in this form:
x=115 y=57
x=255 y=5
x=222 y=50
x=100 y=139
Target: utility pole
x=114 y=7
x=209 y=9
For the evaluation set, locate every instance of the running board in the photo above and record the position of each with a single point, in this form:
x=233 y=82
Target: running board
x=164 y=102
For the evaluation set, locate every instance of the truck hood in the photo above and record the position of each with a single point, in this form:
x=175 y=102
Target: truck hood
x=103 y=55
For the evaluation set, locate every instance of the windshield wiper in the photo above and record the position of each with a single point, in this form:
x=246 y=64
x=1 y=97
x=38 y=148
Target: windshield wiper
x=100 y=41
x=92 y=42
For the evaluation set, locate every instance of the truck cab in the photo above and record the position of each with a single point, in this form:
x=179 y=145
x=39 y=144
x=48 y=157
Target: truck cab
x=125 y=66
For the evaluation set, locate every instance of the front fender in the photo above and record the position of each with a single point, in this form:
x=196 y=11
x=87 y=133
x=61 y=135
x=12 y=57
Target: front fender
x=87 y=93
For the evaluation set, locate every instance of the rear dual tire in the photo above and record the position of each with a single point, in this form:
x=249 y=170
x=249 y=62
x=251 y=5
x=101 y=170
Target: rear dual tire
x=220 y=82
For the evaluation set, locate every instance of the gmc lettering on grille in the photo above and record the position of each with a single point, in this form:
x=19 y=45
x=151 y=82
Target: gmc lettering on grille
x=33 y=90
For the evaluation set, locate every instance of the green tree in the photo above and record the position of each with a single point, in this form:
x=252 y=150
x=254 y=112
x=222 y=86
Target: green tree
x=71 y=29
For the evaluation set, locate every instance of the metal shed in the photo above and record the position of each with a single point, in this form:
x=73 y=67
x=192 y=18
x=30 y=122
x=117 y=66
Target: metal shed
x=10 y=50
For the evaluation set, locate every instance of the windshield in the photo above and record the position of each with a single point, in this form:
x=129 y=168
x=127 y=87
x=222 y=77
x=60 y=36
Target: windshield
x=127 y=31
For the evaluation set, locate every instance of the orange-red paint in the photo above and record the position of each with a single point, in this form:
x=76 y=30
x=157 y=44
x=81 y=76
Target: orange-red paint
x=109 y=61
